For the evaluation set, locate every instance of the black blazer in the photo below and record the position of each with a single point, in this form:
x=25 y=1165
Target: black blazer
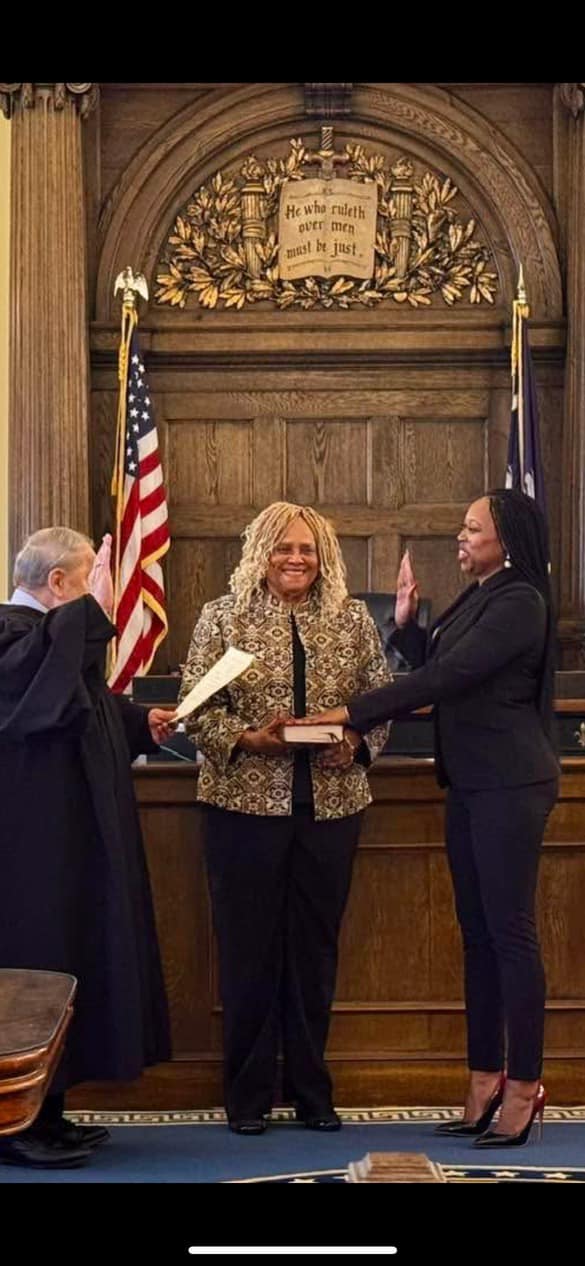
x=480 y=668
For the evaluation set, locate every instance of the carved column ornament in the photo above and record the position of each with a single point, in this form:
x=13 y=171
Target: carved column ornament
x=84 y=96
x=49 y=372
x=328 y=101
x=573 y=97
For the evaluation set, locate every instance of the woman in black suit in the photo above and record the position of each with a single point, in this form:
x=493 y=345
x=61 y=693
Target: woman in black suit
x=488 y=667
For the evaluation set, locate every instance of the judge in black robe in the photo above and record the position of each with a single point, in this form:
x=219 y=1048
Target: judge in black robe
x=74 y=890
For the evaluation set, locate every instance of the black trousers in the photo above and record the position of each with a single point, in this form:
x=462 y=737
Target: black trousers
x=278 y=888
x=494 y=842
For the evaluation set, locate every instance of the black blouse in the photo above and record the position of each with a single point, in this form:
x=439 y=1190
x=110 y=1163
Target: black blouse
x=302 y=792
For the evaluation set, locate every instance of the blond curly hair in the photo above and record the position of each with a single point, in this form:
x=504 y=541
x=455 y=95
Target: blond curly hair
x=260 y=538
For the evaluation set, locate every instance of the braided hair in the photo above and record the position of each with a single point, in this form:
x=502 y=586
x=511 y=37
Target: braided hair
x=523 y=533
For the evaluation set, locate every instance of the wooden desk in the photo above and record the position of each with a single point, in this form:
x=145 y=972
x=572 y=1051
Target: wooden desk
x=35 y=1010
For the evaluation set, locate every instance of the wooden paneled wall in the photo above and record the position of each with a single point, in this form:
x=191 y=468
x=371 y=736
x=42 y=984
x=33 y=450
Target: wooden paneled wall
x=393 y=465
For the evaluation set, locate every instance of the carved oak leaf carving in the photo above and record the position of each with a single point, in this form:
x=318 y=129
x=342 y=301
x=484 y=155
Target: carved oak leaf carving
x=223 y=247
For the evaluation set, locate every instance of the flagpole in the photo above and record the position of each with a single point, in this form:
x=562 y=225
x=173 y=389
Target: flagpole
x=521 y=312
x=131 y=285
x=524 y=462
x=129 y=322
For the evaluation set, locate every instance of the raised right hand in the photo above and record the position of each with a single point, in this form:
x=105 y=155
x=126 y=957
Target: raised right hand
x=266 y=740
x=406 y=593
x=100 y=583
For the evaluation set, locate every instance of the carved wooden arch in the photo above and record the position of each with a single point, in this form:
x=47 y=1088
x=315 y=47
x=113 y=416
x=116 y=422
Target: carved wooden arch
x=491 y=173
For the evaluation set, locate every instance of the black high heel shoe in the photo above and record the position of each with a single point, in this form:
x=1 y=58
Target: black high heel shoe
x=467 y=1128
x=491 y=1139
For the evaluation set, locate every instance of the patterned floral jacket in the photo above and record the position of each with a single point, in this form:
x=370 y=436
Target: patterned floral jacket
x=343 y=657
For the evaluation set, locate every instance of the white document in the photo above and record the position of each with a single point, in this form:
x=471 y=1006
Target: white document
x=230 y=666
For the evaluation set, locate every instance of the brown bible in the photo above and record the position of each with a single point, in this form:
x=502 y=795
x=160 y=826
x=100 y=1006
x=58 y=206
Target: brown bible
x=309 y=735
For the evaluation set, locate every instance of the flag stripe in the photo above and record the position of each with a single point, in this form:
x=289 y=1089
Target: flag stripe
x=155 y=545
x=150 y=504
x=149 y=462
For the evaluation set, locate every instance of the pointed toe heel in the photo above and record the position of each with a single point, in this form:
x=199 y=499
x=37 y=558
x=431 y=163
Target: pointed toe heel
x=492 y=1139
x=467 y=1129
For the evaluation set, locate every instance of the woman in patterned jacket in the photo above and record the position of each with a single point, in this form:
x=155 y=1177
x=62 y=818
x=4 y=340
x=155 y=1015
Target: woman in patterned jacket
x=282 y=824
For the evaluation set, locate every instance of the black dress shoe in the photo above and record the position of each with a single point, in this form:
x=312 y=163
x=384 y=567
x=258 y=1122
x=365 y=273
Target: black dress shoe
x=328 y=1122
x=71 y=1135
x=251 y=1125
x=33 y=1152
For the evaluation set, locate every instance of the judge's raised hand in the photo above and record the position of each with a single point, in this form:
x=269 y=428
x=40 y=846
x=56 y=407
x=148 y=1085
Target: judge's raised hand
x=406 y=593
x=161 y=723
x=100 y=582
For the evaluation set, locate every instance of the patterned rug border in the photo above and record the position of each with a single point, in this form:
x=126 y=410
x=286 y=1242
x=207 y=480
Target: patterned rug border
x=519 y=1173
x=285 y=1116
x=451 y=1173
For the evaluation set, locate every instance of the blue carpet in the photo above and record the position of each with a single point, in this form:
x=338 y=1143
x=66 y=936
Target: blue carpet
x=196 y=1147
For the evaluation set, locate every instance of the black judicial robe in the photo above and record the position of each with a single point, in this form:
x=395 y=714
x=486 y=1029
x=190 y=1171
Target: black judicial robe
x=74 y=888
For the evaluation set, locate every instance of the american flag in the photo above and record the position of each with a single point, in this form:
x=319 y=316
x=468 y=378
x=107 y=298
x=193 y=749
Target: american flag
x=524 y=469
x=142 y=531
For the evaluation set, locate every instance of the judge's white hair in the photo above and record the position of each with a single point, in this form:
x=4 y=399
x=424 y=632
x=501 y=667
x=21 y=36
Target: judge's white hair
x=44 y=550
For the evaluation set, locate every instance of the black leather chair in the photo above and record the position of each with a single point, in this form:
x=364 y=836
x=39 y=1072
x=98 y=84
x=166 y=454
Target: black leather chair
x=381 y=609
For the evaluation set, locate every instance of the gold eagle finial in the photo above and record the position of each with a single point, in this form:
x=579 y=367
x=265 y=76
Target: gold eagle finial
x=131 y=284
